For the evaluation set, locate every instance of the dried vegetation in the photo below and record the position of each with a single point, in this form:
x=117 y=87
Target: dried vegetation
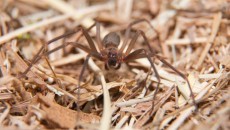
x=194 y=38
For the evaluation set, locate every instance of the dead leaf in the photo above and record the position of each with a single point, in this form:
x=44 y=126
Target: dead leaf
x=63 y=117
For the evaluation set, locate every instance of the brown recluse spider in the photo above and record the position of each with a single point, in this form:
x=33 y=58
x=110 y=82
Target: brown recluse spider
x=110 y=54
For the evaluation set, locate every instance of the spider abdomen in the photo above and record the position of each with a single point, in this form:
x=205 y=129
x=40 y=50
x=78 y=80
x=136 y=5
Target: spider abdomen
x=111 y=39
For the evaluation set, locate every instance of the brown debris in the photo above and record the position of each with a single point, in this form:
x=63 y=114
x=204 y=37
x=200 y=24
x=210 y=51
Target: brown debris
x=59 y=116
x=193 y=36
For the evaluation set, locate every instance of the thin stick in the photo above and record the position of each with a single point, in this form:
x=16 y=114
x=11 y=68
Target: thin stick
x=5 y=113
x=178 y=122
x=215 y=28
x=198 y=101
x=85 y=11
x=212 y=61
x=107 y=113
x=133 y=101
x=186 y=41
x=31 y=27
x=66 y=8
x=54 y=74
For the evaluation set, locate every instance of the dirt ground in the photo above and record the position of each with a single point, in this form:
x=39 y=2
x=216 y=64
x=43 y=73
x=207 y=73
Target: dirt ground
x=43 y=51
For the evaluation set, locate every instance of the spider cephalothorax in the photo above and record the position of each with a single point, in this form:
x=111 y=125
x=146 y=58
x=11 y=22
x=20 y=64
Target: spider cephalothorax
x=113 y=59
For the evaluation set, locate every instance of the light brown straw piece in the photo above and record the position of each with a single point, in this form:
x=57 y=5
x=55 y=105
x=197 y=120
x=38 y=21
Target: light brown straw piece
x=49 y=21
x=215 y=28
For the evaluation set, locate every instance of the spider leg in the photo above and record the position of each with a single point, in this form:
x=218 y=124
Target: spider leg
x=133 y=56
x=49 y=65
x=133 y=41
x=75 y=44
x=92 y=54
x=139 y=54
x=43 y=49
x=54 y=74
x=127 y=32
x=182 y=75
x=39 y=56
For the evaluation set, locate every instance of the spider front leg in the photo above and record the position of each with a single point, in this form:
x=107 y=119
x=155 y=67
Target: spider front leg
x=133 y=41
x=38 y=56
x=92 y=54
x=136 y=55
x=141 y=53
x=42 y=51
x=127 y=32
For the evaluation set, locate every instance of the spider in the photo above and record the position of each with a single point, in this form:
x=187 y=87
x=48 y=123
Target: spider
x=110 y=54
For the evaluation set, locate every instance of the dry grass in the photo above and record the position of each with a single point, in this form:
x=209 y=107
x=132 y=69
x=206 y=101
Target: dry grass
x=194 y=38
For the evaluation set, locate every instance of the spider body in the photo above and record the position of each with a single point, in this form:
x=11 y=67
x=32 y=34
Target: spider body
x=110 y=54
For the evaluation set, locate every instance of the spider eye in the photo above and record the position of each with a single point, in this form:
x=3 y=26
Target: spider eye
x=112 y=62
